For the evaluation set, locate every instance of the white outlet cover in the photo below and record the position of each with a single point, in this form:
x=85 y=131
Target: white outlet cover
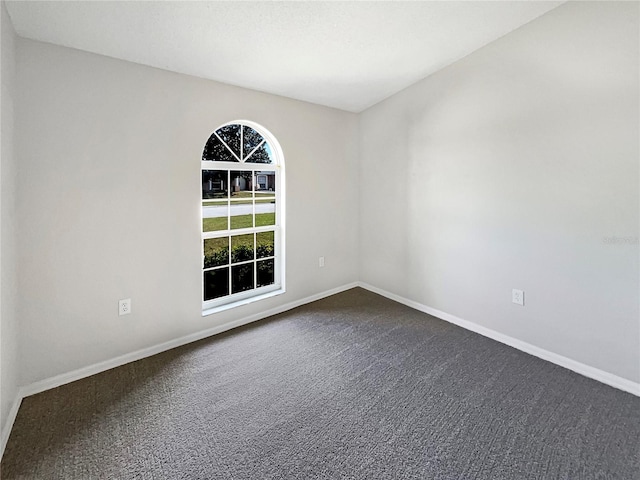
x=124 y=306
x=517 y=297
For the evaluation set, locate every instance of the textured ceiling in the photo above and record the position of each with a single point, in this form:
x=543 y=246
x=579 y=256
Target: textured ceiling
x=348 y=55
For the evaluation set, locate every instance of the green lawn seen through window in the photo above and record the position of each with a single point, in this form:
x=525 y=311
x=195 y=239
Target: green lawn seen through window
x=217 y=203
x=238 y=221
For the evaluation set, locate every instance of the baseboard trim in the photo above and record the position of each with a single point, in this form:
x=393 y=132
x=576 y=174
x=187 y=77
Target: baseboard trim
x=573 y=365
x=99 y=367
x=8 y=424
x=53 y=382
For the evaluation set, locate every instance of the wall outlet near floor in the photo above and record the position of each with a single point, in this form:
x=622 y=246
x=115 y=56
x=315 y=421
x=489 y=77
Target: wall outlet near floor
x=517 y=297
x=321 y=262
x=124 y=306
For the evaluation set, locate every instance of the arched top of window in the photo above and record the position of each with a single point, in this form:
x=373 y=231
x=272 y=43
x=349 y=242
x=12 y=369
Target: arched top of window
x=240 y=143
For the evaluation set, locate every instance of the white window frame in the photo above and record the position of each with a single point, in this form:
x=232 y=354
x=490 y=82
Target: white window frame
x=243 y=298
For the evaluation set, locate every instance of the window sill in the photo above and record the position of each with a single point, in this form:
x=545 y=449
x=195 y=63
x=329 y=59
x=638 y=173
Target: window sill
x=239 y=303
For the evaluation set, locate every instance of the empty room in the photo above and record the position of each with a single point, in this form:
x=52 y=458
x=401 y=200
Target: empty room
x=320 y=240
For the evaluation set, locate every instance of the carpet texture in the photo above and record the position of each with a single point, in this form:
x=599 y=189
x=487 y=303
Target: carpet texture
x=352 y=386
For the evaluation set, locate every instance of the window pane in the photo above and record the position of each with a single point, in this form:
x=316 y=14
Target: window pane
x=230 y=134
x=214 y=184
x=241 y=277
x=241 y=248
x=242 y=214
x=251 y=140
x=265 y=212
x=264 y=244
x=215 y=215
x=241 y=185
x=216 y=283
x=216 y=252
x=237 y=200
x=265 y=182
x=261 y=155
x=265 y=272
x=215 y=150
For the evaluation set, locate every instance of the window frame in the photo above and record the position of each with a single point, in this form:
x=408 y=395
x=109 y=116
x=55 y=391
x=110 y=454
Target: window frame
x=233 y=300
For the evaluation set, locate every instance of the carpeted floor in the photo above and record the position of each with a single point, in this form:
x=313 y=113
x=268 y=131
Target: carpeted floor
x=353 y=386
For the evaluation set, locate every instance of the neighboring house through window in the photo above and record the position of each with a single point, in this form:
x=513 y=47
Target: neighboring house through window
x=242 y=216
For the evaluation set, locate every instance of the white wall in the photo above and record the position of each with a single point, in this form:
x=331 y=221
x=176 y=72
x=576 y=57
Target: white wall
x=508 y=169
x=8 y=294
x=512 y=168
x=108 y=202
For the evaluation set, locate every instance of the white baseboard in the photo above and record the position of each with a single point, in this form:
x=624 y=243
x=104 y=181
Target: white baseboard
x=58 y=380
x=84 y=372
x=573 y=365
x=8 y=424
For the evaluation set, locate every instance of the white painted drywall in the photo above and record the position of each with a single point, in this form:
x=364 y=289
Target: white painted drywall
x=8 y=292
x=515 y=168
x=512 y=168
x=347 y=55
x=108 y=202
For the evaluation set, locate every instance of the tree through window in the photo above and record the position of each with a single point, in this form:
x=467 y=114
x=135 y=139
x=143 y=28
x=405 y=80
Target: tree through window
x=242 y=215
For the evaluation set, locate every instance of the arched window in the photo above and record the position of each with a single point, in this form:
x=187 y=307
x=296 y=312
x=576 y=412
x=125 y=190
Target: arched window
x=242 y=216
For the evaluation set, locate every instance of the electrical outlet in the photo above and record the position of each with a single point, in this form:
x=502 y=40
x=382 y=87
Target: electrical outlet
x=321 y=262
x=517 y=297
x=124 y=306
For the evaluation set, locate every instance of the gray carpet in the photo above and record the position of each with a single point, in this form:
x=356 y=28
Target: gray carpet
x=352 y=386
